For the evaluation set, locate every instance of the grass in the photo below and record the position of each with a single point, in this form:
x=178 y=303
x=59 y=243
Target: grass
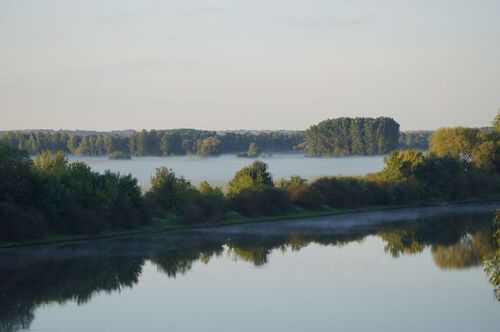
x=172 y=223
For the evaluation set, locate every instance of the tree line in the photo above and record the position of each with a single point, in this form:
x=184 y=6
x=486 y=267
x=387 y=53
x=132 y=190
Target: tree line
x=337 y=137
x=152 y=142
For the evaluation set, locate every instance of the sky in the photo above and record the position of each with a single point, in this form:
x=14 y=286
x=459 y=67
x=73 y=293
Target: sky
x=247 y=64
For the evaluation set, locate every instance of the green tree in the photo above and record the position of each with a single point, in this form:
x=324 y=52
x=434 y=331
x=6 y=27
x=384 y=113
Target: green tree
x=400 y=165
x=255 y=176
x=50 y=161
x=169 y=192
x=209 y=146
x=457 y=142
x=212 y=202
x=348 y=136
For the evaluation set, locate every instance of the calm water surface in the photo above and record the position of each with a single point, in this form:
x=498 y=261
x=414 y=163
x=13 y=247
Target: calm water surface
x=403 y=270
x=219 y=170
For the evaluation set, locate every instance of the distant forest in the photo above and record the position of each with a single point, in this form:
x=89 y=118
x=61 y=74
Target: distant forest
x=352 y=136
x=344 y=136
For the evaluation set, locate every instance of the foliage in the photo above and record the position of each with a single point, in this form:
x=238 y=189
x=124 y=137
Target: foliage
x=186 y=141
x=18 y=189
x=253 y=150
x=252 y=192
x=418 y=140
x=260 y=201
x=169 y=192
x=255 y=177
x=119 y=155
x=208 y=146
x=492 y=262
x=212 y=202
x=496 y=121
x=301 y=194
x=400 y=165
x=152 y=142
x=17 y=180
x=352 y=136
x=176 y=195
x=51 y=194
x=472 y=145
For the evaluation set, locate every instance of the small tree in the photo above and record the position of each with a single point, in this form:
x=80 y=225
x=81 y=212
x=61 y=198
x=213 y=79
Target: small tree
x=48 y=161
x=212 y=202
x=255 y=176
x=169 y=192
x=209 y=146
x=253 y=150
x=400 y=166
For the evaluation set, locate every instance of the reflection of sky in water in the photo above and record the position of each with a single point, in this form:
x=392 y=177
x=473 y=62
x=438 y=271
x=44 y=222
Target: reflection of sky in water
x=354 y=287
x=219 y=170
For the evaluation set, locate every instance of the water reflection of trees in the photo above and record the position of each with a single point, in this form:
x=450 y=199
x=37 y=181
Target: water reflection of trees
x=454 y=243
x=22 y=290
x=492 y=261
x=469 y=251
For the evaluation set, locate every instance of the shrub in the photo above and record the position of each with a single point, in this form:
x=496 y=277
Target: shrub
x=254 y=202
x=19 y=224
x=170 y=193
x=305 y=196
x=254 y=177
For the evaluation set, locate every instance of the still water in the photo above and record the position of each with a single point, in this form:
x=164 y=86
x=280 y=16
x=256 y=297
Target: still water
x=219 y=170
x=400 y=270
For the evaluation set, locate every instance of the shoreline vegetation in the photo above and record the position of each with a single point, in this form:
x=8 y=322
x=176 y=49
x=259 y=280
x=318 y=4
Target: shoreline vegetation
x=167 y=226
x=48 y=198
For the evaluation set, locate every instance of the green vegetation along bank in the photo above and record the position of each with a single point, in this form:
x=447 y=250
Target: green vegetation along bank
x=49 y=197
x=345 y=136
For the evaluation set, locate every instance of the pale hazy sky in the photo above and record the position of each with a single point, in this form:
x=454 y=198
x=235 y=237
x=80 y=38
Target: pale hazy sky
x=229 y=64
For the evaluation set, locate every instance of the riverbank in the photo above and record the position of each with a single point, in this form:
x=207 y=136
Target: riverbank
x=174 y=224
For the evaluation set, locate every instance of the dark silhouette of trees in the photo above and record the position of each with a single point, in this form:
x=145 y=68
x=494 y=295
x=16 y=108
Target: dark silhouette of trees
x=51 y=195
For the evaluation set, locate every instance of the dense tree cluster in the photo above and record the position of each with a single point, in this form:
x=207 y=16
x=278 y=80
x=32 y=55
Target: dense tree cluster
x=252 y=192
x=35 y=142
x=51 y=195
x=152 y=142
x=472 y=145
x=352 y=136
x=172 y=195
